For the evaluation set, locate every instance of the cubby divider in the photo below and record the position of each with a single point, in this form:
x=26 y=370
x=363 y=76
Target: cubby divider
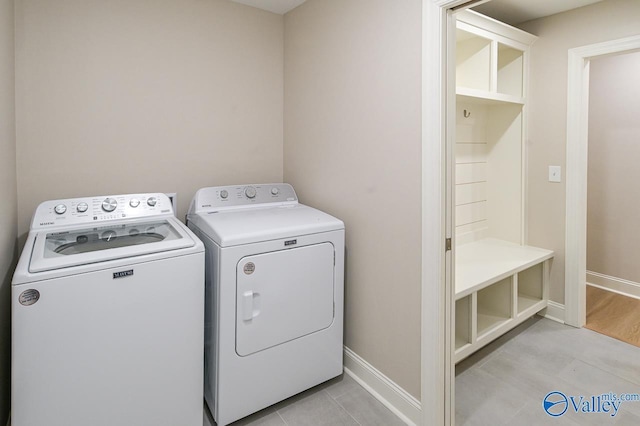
x=531 y=289
x=463 y=322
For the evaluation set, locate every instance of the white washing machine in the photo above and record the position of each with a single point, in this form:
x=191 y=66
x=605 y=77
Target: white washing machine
x=274 y=296
x=107 y=316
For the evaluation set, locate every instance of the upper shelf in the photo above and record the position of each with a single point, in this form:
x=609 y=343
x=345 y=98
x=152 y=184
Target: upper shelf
x=489 y=64
x=486 y=98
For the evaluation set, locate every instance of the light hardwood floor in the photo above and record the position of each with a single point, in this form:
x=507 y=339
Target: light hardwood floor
x=613 y=314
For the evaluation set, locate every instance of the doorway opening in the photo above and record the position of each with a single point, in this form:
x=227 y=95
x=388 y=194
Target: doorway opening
x=576 y=170
x=613 y=239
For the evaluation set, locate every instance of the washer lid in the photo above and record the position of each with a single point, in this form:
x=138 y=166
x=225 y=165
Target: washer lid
x=63 y=249
x=244 y=226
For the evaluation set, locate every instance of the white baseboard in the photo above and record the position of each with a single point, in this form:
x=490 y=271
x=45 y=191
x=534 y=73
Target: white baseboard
x=554 y=311
x=396 y=399
x=617 y=285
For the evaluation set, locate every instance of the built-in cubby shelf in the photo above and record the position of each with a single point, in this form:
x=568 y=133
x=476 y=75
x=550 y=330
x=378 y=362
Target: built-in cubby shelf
x=499 y=280
x=494 y=306
x=498 y=285
x=510 y=70
x=473 y=60
x=490 y=57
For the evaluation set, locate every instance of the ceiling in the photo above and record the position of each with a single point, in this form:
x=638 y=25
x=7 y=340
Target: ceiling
x=276 y=6
x=509 y=11
x=517 y=11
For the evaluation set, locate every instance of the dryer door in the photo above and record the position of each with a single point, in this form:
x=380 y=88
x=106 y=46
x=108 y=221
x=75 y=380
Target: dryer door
x=283 y=295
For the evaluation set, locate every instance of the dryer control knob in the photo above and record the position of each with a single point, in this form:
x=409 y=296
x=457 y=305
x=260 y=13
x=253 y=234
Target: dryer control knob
x=108 y=235
x=109 y=204
x=152 y=201
x=250 y=192
x=82 y=207
x=224 y=194
x=60 y=209
x=275 y=191
x=134 y=202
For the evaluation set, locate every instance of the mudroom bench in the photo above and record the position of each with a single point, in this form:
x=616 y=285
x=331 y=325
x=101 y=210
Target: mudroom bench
x=498 y=286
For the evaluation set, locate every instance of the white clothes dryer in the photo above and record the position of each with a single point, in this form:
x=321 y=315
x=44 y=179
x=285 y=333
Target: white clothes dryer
x=107 y=316
x=274 y=296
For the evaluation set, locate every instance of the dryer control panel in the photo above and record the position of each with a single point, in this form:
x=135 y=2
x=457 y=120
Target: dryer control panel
x=74 y=211
x=238 y=196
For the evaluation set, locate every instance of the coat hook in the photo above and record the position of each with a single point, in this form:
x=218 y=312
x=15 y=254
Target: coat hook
x=466 y=113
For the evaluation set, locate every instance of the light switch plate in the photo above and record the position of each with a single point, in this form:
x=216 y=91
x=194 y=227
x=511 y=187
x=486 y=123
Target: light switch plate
x=555 y=174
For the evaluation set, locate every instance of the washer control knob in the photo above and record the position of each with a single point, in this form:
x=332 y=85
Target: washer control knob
x=152 y=201
x=134 y=202
x=224 y=194
x=60 y=209
x=275 y=191
x=109 y=204
x=250 y=192
x=82 y=207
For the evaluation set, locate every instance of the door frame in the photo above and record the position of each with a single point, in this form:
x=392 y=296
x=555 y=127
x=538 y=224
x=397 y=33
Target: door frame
x=576 y=170
x=438 y=293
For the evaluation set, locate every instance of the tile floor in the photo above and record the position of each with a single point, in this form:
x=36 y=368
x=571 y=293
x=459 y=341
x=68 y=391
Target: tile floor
x=505 y=382
x=338 y=402
x=502 y=384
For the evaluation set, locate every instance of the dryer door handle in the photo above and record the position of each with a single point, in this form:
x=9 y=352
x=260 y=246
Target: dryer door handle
x=247 y=305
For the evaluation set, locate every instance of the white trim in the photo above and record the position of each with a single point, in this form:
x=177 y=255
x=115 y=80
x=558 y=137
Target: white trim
x=614 y=284
x=508 y=35
x=576 y=171
x=396 y=399
x=437 y=367
x=554 y=311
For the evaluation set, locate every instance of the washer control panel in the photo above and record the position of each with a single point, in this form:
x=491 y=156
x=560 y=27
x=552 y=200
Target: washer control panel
x=99 y=209
x=237 y=196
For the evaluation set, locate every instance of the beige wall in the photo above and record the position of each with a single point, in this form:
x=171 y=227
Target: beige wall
x=352 y=148
x=613 y=232
x=126 y=96
x=172 y=95
x=608 y=20
x=8 y=205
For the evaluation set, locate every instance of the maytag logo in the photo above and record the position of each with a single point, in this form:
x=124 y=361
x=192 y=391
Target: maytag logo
x=46 y=223
x=123 y=274
x=290 y=243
